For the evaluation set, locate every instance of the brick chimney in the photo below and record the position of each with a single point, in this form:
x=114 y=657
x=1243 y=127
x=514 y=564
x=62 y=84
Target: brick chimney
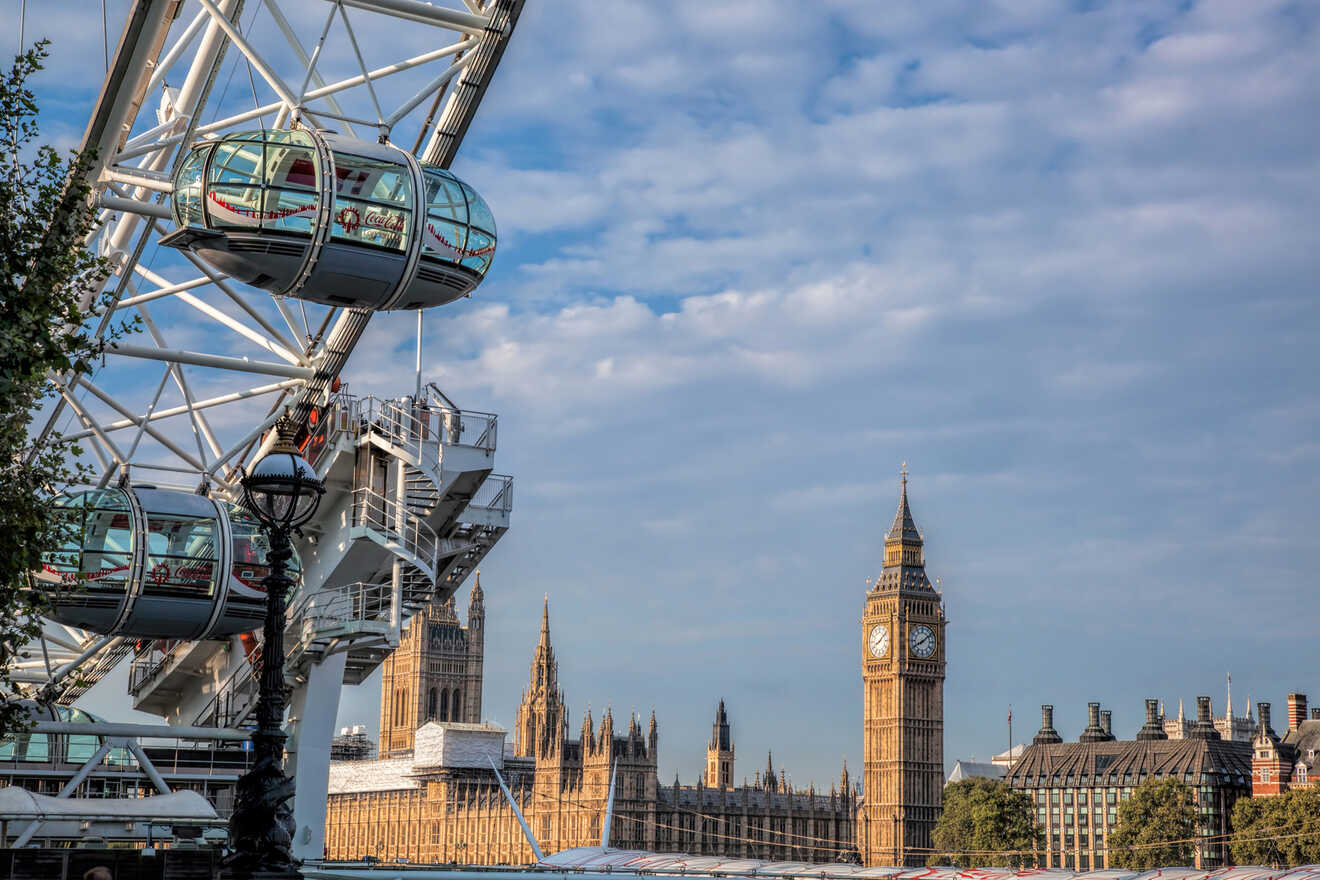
x=1296 y=710
x=1106 y=723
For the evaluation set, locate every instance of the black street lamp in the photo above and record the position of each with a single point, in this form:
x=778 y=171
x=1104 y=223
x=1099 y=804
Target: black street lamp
x=282 y=491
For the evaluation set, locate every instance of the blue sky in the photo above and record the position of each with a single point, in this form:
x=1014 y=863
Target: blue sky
x=1059 y=257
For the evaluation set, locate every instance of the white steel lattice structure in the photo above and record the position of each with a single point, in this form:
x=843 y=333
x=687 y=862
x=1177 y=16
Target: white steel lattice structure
x=190 y=399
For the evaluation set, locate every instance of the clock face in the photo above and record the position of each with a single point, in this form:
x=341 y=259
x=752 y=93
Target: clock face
x=921 y=640
x=879 y=640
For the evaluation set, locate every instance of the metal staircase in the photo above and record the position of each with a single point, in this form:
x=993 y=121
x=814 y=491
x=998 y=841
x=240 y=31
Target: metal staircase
x=450 y=512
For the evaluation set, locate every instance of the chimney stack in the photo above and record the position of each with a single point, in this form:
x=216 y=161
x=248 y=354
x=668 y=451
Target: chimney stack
x=1152 y=729
x=1047 y=735
x=1106 y=720
x=1093 y=733
x=1263 y=713
x=1296 y=711
x=1315 y=714
x=1204 y=728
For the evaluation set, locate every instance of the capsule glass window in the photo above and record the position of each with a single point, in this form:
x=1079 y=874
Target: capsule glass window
x=293 y=182
x=188 y=189
x=97 y=546
x=372 y=202
x=445 y=233
x=250 y=546
x=234 y=182
x=181 y=556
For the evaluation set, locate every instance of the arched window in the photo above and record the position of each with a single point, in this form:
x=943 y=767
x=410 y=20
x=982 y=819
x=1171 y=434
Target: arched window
x=444 y=705
x=455 y=713
x=431 y=699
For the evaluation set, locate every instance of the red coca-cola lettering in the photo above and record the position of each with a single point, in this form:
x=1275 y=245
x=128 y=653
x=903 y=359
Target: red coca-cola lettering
x=391 y=222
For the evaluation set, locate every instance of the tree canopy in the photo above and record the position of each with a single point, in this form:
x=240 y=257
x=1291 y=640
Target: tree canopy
x=1156 y=827
x=985 y=823
x=1281 y=831
x=45 y=214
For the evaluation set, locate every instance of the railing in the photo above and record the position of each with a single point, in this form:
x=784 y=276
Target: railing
x=152 y=660
x=403 y=421
x=396 y=522
x=238 y=693
x=331 y=607
x=494 y=493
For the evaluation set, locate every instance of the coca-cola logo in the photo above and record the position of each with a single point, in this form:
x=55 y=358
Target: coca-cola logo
x=350 y=219
x=390 y=222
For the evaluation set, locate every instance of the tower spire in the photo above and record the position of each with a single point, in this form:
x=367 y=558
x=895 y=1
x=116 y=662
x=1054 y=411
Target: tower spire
x=545 y=621
x=903 y=543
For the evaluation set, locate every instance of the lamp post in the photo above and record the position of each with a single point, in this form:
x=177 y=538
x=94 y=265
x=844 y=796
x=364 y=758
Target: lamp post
x=283 y=492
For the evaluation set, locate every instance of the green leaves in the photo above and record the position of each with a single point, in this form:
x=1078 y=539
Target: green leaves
x=45 y=275
x=1283 y=830
x=985 y=823
x=1156 y=827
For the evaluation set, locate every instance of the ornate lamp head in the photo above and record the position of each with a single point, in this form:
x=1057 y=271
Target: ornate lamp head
x=282 y=490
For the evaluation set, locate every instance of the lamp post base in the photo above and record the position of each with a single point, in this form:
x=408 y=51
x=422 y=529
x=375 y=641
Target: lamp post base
x=261 y=827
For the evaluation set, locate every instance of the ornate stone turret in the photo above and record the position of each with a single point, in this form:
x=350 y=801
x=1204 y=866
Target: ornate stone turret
x=903 y=543
x=538 y=731
x=719 y=752
x=435 y=674
x=588 y=733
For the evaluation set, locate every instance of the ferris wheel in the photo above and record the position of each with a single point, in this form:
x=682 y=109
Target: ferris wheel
x=268 y=175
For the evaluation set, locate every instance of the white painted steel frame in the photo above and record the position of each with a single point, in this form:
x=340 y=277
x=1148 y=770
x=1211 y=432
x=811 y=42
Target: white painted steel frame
x=189 y=397
x=136 y=173
x=170 y=61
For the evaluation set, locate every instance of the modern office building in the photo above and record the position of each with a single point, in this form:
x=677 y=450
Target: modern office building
x=1078 y=786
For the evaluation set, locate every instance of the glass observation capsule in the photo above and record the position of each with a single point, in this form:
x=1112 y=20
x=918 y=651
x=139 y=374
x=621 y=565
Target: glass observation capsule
x=157 y=563
x=332 y=220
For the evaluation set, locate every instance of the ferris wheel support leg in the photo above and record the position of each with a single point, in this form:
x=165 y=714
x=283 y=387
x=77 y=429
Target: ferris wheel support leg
x=313 y=711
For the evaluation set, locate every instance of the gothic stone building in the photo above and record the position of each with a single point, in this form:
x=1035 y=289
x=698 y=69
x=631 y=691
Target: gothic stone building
x=903 y=702
x=1078 y=786
x=433 y=798
x=435 y=674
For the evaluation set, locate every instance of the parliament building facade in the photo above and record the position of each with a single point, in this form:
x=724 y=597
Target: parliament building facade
x=434 y=795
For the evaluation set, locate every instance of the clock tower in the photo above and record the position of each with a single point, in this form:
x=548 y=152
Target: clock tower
x=903 y=702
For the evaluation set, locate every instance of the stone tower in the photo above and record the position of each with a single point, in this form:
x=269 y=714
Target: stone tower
x=542 y=721
x=903 y=702
x=719 y=752
x=435 y=674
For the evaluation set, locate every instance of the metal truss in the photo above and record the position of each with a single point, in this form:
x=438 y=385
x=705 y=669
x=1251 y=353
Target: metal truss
x=185 y=400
